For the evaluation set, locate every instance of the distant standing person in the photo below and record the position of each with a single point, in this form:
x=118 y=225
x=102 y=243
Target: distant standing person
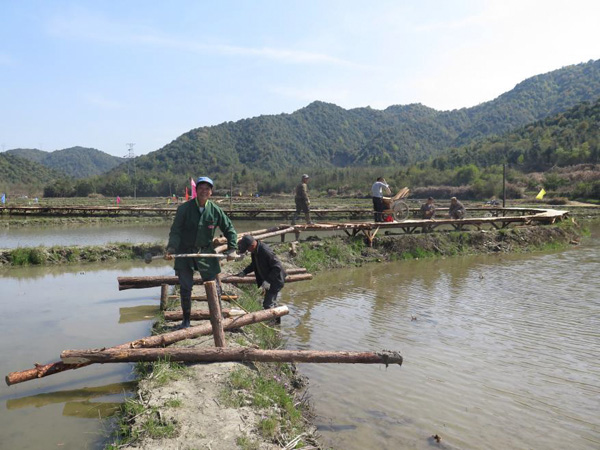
x=428 y=209
x=193 y=231
x=377 y=193
x=302 y=200
x=456 y=210
x=269 y=272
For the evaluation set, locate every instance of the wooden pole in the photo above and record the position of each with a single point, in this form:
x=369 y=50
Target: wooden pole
x=164 y=295
x=222 y=248
x=200 y=314
x=148 y=282
x=43 y=370
x=214 y=308
x=229 y=354
x=202 y=298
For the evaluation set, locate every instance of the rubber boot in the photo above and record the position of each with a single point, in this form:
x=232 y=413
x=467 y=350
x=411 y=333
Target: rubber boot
x=186 y=307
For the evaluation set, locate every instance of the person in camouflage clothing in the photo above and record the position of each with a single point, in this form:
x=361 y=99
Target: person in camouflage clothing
x=302 y=200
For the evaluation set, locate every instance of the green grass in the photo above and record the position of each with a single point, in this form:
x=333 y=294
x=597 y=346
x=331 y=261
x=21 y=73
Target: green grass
x=161 y=372
x=245 y=443
x=136 y=420
x=330 y=253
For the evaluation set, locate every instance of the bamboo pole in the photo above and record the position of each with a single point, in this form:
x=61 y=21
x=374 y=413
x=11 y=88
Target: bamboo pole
x=43 y=370
x=214 y=308
x=229 y=354
x=148 y=282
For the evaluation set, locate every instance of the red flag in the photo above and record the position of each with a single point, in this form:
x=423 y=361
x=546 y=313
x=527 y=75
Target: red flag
x=187 y=196
x=193 y=183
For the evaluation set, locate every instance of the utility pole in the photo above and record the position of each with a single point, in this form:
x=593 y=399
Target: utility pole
x=504 y=185
x=131 y=156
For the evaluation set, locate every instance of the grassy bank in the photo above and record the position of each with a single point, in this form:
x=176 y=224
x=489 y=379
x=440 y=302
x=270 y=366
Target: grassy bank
x=337 y=252
x=40 y=256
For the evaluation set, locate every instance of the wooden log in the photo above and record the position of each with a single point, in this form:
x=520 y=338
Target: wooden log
x=202 y=298
x=229 y=354
x=200 y=314
x=222 y=248
x=164 y=295
x=273 y=233
x=43 y=370
x=214 y=308
x=148 y=282
x=223 y=239
x=297 y=271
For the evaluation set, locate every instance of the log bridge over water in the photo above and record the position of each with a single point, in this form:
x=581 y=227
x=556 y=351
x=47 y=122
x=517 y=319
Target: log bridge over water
x=493 y=218
x=233 y=213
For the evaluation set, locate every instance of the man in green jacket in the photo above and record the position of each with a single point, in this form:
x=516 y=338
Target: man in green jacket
x=193 y=231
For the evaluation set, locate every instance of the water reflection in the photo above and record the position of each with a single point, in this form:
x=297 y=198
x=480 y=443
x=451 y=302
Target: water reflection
x=137 y=313
x=103 y=233
x=50 y=309
x=71 y=395
x=503 y=345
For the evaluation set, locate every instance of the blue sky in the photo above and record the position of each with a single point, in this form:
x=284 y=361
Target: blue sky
x=103 y=73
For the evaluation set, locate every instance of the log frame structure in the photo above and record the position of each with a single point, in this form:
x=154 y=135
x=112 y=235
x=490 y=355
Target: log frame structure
x=43 y=370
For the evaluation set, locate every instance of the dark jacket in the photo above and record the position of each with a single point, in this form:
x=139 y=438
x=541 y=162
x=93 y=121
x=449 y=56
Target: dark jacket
x=267 y=267
x=194 y=233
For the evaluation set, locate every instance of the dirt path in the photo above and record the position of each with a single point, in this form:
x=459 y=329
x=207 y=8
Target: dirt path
x=201 y=420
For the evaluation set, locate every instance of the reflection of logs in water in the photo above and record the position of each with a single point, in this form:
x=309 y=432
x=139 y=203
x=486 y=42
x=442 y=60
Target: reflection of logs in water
x=91 y=410
x=86 y=393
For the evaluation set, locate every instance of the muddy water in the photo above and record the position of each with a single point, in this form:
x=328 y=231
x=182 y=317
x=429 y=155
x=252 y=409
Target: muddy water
x=500 y=352
x=100 y=233
x=47 y=310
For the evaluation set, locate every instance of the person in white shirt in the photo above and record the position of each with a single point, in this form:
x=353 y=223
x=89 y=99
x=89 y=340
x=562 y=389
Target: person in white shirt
x=377 y=193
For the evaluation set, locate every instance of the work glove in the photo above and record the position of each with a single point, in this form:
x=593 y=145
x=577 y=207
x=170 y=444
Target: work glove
x=241 y=274
x=231 y=254
x=266 y=285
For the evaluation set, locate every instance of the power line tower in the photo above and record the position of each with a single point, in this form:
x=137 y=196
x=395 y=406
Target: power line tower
x=131 y=156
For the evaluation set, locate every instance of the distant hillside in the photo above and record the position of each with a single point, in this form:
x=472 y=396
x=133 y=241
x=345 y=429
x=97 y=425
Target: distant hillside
x=76 y=162
x=24 y=175
x=568 y=138
x=325 y=135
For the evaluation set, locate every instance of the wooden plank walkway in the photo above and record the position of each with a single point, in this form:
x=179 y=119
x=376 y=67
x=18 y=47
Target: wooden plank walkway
x=245 y=213
x=497 y=218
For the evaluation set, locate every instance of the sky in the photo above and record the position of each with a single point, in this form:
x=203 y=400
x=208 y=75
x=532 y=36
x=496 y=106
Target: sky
x=106 y=73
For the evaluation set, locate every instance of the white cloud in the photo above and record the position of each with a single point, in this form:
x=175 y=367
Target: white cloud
x=83 y=25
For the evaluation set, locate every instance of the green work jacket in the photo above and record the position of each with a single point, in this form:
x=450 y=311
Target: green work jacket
x=193 y=232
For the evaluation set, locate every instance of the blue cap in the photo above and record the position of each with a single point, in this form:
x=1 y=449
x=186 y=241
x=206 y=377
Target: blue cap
x=205 y=180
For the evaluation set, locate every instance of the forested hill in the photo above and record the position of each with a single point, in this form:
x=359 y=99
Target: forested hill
x=563 y=139
x=17 y=172
x=323 y=134
x=76 y=162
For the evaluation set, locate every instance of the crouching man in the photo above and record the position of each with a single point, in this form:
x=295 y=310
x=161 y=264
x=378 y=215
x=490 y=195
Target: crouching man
x=269 y=272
